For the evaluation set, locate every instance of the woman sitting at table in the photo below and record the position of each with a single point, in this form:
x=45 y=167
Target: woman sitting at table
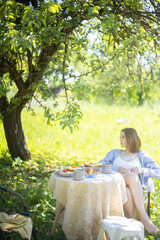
x=132 y=163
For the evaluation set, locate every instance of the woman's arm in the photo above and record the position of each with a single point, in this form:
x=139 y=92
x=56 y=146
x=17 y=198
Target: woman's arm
x=110 y=157
x=149 y=167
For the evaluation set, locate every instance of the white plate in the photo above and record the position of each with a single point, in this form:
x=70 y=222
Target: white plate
x=67 y=174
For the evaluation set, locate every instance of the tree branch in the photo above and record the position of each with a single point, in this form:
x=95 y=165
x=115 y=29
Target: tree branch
x=42 y=63
x=63 y=70
x=15 y=75
x=3 y=105
x=30 y=66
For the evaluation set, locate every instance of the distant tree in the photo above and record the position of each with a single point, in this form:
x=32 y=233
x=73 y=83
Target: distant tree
x=37 y=39
x=133 y=76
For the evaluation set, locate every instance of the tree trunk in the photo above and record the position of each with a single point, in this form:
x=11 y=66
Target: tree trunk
x=140 y=98
x=14 y=135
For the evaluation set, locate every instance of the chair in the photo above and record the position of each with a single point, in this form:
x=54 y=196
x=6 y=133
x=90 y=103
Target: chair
x=149 y=201
x=5 y=234
x=147 y=204
x=121 y=227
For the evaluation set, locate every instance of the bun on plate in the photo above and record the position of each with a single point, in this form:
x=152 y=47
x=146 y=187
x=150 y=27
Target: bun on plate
x=87 y=164
x=70 y=169
x=89 y=171
x=98 y=165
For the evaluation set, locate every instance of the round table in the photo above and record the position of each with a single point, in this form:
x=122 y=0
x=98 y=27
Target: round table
x=87 y=202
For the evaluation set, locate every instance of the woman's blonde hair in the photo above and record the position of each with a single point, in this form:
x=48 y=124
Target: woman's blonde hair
x=132 y=139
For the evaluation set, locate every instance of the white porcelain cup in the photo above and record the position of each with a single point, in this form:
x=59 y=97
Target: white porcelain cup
x=79 y=174
x=107 y=168
x=97 y=169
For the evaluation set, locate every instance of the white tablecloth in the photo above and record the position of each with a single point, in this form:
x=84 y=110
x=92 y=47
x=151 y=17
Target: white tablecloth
x=88 y=202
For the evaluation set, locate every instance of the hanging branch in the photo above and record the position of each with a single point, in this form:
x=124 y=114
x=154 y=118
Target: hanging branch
x=128 y=67
x=63 y=69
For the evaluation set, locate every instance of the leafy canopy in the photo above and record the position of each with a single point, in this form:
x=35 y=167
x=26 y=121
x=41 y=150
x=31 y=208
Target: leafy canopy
x=42 y=41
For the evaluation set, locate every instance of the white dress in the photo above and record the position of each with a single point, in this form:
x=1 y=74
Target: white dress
x=119 y=162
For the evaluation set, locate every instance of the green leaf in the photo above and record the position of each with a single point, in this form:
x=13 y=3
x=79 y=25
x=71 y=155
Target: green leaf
x=55 y=8
x=96 y=9
x=43 y=21
x=90 y=10
x=71 y=129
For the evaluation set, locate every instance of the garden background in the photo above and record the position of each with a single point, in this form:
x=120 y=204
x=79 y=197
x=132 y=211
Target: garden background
x=99 y=131
x=72 y=75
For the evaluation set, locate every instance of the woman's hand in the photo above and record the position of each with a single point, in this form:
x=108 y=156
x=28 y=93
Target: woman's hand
x=123 y=170
x=136 y=170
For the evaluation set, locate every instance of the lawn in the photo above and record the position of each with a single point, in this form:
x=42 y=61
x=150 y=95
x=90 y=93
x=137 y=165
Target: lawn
x=98 y=132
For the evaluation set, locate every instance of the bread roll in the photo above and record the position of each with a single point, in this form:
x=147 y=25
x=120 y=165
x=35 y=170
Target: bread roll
x=98 y=165
x=70 y=169
x=89 y=171
x=87 y=164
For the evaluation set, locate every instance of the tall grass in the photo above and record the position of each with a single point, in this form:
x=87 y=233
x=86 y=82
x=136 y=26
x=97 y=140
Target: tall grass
x=50 y=146
x=98 y=133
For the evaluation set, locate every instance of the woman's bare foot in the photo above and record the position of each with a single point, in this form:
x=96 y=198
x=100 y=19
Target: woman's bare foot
x=149 y=226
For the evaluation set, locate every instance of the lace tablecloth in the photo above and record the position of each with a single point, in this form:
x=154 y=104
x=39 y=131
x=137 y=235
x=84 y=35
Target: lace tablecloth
x=88 y=202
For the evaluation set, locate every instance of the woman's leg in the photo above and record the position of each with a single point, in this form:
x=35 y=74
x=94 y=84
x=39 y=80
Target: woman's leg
x=133 y=183
x=129 y=206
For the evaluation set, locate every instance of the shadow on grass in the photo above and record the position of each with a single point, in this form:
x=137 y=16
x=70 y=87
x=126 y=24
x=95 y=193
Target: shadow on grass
x=30 y=179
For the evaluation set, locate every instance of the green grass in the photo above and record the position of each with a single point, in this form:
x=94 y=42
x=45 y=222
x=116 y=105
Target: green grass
x=51 y=146
x=98 y=133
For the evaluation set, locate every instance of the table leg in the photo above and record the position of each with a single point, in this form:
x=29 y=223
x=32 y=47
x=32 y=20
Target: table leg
x=56 y=219
x=101 y=234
